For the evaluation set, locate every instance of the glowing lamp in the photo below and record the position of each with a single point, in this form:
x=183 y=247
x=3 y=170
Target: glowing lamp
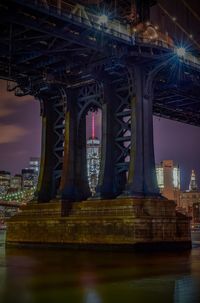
x=181 y=51
x=103 y=19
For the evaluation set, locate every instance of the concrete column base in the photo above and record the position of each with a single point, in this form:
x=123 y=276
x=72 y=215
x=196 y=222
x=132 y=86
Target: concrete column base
x=127 y=223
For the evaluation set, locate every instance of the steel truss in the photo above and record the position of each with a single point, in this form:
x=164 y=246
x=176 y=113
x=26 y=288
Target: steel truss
x=53 y=100
x=59 y=108
x=89 y=97
x=124 y=92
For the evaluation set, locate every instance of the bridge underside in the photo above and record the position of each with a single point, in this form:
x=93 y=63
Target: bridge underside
x=71 y=64
x=37 y=44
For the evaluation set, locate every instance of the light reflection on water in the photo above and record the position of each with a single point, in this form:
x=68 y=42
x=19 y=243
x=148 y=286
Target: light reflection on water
x=47 y=275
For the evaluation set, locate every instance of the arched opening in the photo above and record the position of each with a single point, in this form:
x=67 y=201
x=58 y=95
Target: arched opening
x=93 y=147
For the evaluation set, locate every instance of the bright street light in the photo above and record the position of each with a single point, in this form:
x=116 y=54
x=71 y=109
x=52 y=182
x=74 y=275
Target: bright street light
x=181 y=52
x=103 y=19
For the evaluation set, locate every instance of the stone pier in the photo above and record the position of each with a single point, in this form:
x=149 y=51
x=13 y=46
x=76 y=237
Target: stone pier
x=102 y=224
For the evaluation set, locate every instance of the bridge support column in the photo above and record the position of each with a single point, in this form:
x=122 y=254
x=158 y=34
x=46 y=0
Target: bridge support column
x=74 y=182
x=67 y=186
x=81 y=162
x=142 y=174
x=106 y=187
x=46 y=181
x=53 y=107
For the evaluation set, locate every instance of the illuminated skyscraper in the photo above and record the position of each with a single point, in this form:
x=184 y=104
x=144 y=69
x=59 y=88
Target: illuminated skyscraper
x=5 y=178
x=193 y=184
x=16 y=183
x=190 y=197
x=168 y=176
x=28 y=179
x=93 y=159
x=34 y=164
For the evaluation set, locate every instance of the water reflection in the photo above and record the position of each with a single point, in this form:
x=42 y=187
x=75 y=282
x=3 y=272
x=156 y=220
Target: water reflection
x=186 y=290
x=91 y=296
x=33 y=275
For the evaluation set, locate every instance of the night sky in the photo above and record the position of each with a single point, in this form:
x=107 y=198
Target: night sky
x=20 y=130
x=20 y=125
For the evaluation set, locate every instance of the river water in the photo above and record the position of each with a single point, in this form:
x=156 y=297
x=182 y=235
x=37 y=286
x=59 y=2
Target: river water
x=63 y=276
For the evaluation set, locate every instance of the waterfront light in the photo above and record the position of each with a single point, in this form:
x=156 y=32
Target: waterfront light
x=181 y=52
x=103 y=19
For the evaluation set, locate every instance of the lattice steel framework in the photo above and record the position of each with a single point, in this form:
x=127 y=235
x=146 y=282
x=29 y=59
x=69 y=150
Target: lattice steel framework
x=59 y=108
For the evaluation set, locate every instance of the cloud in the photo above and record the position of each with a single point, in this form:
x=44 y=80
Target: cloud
x=9 y=103
x=21 y=152
x=6 y=96
x=4 y=112
x=11 y=133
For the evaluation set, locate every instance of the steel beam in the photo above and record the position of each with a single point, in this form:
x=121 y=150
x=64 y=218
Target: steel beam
x=142 y=175
x=107 y=187
x=68 y=192
x=53 y=123
x=46 y=182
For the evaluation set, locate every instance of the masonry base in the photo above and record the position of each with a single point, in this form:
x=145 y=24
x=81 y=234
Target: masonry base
x=118 y=224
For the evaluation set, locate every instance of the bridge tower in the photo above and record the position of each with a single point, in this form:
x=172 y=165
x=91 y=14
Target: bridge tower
x=127 y=161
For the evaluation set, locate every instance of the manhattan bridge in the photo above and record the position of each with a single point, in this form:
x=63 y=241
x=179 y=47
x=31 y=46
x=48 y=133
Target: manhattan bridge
x=80 y=56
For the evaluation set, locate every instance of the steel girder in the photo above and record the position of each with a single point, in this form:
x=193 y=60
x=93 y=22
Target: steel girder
x=179 y=102
x=59 y=108
x=90 y=97
x=187 y=117
x=34 y=23
x=124 y=92
x=53 y=108
x=73 y=29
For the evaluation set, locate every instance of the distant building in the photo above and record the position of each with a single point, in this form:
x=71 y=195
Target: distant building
x=168 y=177
x=34 y=164
x=190 y=197
x=93 y=162
x=193 y=183
x=196 y=212
x=16 y=183
x=187 y=199
x=5 y=178
x=93 y=159
x=28 y=178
